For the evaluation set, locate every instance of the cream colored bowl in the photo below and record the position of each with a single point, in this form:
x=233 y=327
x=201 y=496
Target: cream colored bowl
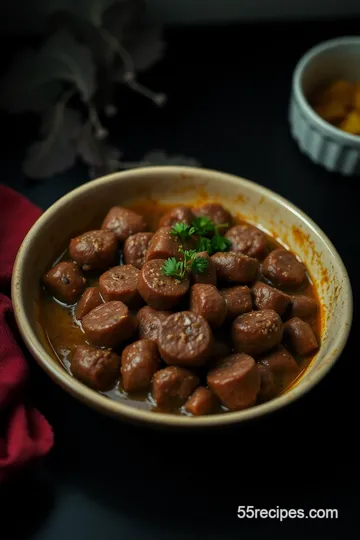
x=76 y=211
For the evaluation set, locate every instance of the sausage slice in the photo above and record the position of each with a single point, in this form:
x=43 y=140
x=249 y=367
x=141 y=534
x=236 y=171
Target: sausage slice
x=94 y=250
x=135 y=248
x=201 y=402
x=179 y=214
x=235 y=267
x=236 y=381
x=149 y=321
x=65 y=282
x=97 y=368
x=205 y=300
x=300 y=337
x=173 y=385
x=158 y=290
x=283 y=269
x=257 y=332
x=185 y=339
x=124 y=222
x=109 y=324
x=217 y=213
x=164 y=245
x=120 y=283
x=139 y=361
x=248 y=240
x=207 y=277
x=268 y=384
x=266 y=297
x=283 y=367
x=237 y=300
x=303 y=307
x=90 y=299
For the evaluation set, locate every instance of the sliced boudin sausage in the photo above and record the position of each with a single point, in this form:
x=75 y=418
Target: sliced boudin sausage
x=185 y=339
x=283 y=269
x=248 y=240
x=135 y=248
x=209 y=276
x=236 y=381
x=164 y=245
x=65 y=282
x=97 y=368
x=120 y=283
x=157 y=289
x=266 y=297
x=94 y=250
x=149 y=322
x=90 y=299
x=173 y=385
x=139 y=361
x=268 y=384
x=237 y=300
x=109 y=324
x=179 y=214
x=303 y=307
x=205 y=300
x=281 y=362
x=235 y=267
x=202 y=401
x=124 y=222
x=217 y=213
x=299 y=336
x=257 y=332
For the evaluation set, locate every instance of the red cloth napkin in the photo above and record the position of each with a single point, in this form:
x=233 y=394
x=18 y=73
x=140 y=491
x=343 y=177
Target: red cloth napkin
x=24 y=433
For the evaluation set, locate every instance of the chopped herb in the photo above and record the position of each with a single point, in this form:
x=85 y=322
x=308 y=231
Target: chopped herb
x=204 y=244
x=220 y=243
x=199 y=265
x=179 y=269
x=182 y=231
x=203 y=226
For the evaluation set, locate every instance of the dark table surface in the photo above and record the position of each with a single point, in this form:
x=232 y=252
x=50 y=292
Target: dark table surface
x=228 y=94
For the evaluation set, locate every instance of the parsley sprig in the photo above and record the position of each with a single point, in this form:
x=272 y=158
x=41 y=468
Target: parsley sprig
x=202 y=227
x=182 y=231
x=179 y=269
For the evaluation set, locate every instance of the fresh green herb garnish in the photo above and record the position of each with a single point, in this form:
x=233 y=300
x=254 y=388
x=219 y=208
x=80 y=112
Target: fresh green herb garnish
x=204 y=244
x=179 y=269
x=203 y=226
x=182 y=231
x=220 y=243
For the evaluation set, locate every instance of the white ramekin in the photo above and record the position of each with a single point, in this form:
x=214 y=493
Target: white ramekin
x=325 y=144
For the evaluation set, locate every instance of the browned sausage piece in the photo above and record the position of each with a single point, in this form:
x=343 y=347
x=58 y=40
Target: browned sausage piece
x=120 y=283
x=283 y=269
x=109 y=324
x=201 y=402
x=237 y=300
x=185 y=339
x=235 y=267
x=268 y=384
x=236 y=381
x=281 y=363
x=257 y=332
x=65 y=282
x=139 y=361
x=124 y=222
x=173 y=385
x=135 y=248
x=248 y=240
x=158 y=290
x=90 y=300
x=266 y=297
x=94 y=250
x=303 y=307
x=216 y=213
x=164 y=245
x=179 y=214
x=149 y=321
x=97 y=368
x=205 y=300
x=299 y=336
x=209 y=276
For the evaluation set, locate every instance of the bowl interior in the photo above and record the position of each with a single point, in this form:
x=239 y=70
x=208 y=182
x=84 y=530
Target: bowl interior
x=75 y=213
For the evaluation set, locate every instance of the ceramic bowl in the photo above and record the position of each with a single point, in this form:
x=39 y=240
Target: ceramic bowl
x=326 y=145
x=75 y=212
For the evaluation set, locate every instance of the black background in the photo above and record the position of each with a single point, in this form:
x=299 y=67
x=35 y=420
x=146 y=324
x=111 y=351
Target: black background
x=228 y=94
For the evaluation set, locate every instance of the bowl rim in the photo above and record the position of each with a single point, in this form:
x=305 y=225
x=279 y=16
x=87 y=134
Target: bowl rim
x=118 y=409
x=332 y=131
